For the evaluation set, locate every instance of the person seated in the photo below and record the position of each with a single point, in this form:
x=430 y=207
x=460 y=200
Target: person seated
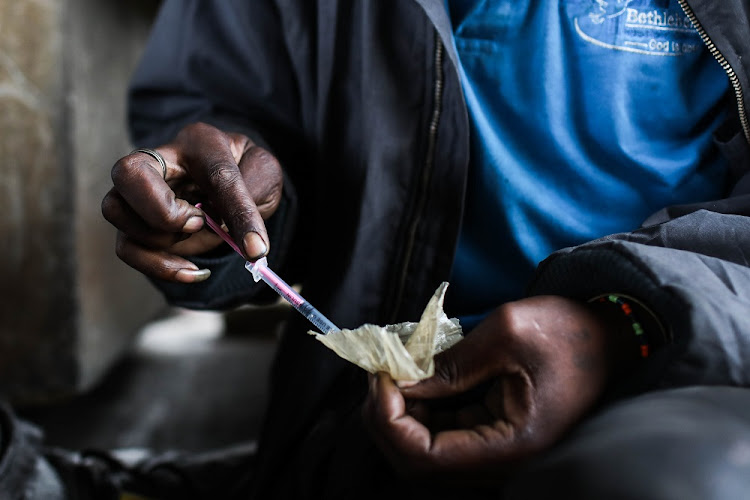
x=578 y=173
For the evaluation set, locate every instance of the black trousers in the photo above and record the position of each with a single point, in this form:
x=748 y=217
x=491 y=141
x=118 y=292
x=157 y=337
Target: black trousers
x=689 y=443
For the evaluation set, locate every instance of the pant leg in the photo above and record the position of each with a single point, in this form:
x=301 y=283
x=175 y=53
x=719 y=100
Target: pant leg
x=690 y=443
x=30 y=471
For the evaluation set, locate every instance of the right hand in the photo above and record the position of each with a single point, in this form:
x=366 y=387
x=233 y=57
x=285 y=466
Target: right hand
x=156 y=218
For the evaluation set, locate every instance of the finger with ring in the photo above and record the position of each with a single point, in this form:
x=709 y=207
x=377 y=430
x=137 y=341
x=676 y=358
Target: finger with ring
x=158 y=157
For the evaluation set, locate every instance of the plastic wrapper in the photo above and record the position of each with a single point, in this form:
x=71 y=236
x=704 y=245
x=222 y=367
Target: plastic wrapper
x=404 y=350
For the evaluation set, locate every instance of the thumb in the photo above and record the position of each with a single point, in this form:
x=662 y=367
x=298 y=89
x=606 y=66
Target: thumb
x=209 y=156
x=263 y=180
x=457 y=370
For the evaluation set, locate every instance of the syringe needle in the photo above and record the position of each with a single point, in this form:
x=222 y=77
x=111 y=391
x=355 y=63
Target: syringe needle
x=261 y=271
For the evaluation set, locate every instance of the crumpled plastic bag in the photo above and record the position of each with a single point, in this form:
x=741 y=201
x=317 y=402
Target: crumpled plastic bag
x=404 y=350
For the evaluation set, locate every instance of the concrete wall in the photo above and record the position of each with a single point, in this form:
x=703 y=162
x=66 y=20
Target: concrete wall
x=68 y=307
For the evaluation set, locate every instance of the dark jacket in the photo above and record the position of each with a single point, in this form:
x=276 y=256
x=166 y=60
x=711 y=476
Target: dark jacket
x=362 y=104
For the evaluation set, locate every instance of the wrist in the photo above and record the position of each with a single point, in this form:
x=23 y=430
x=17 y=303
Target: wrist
x=635 y=330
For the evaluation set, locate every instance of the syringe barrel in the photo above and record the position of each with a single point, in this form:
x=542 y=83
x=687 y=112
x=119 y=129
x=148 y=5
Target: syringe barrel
x=316 y=318
x=261 y=271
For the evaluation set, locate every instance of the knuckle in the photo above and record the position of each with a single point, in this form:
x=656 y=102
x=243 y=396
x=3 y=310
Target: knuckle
x=222 y=174
x=269 y=201
x=447 y=370
x=123 y=169
x=122 y=247
x=265 y=177
x=263 y=157
x=265 y=164
x=242 y=216
x=170 y=218
x=140 y=258
x=513 y=322
x=109 y=206
x=132 y=171
x=240 y=141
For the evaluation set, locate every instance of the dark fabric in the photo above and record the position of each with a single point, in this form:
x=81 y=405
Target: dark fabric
x=727 y=24
x=103 y=475
x=687 y=443
x=19 y=448
x=691 y=444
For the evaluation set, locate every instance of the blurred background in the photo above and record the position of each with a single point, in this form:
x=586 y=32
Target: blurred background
x=88 y=349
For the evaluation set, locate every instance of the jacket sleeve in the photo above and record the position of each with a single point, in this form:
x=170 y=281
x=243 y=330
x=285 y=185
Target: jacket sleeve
x=693 y=272
x=227 y=64
x=224 y=63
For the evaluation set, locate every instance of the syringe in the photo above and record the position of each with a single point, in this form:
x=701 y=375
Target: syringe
x=260 y=271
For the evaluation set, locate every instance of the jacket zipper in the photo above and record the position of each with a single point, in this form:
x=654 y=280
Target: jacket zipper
x=427 y=168
x=733 y=79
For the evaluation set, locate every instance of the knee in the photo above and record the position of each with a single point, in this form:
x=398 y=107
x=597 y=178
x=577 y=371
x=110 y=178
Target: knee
x=683 y=443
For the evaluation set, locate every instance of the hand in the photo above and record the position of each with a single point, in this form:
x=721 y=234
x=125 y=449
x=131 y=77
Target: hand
x=158 y=224
x=510 y=389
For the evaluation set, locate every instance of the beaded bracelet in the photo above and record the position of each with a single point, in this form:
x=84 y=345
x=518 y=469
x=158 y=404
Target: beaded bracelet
x=627 y=310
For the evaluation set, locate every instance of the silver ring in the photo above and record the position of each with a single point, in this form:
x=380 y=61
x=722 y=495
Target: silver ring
x=157 y=156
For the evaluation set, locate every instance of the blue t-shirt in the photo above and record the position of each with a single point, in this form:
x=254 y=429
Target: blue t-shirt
x=586 y=117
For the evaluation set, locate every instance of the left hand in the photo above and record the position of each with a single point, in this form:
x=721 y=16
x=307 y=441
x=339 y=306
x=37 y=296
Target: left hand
x=524 y=376
x=159 y=226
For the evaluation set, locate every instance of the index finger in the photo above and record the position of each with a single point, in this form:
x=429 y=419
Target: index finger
x=385 y=413
x=137 y=179
x=451 y=453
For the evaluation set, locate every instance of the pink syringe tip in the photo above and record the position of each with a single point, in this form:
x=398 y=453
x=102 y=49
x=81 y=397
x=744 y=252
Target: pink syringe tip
x=220 y=231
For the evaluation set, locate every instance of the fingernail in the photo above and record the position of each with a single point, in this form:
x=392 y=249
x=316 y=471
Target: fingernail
x=255 y=247
x=403 y=384
x=193 y=224
x=193 y=276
